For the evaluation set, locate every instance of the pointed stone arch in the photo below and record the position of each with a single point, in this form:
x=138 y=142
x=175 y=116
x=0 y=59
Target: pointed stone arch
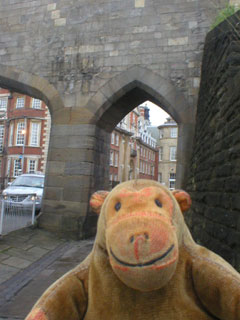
x=133 y=86
x=125 y=91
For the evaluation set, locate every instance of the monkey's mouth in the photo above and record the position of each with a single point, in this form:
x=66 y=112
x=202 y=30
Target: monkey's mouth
x=148 y=263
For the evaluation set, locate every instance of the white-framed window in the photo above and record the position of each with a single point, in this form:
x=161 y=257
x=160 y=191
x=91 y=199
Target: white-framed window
x=10 y=142
x=17 y=169
x=36 y=103
x=160 y=133
x=20 y=103
x=115 y=177
x=35 y=134
x=32 y=166
x=116 y=159
x=20 y=133
x=160 y=177
x=111 y=158
x=117 y=140
x=160 y=157
x=111 y=177
x=172 y=180
x=1 y=136
x=113 y=138
x=8 y=167
x=153 y=171
x=174 y=132
x=3 y=104
x=173 y=153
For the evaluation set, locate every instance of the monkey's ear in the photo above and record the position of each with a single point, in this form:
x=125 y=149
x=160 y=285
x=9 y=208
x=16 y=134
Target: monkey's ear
x=183 y=198
x=97 y=199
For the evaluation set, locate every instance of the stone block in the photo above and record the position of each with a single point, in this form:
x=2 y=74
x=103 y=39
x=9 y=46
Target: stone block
x=55 y=14
x=56 y=167
x=178 y=41
x=78 y=168
x=53 y=193
x=18 y=263
x=51 y=6
x=139 y=3
x=60 y=22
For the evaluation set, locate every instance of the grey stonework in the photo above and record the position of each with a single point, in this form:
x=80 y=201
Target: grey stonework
x=92 y=62
x=214 y=180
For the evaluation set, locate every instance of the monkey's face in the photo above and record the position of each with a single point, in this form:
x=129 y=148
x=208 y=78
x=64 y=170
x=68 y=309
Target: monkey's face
x=141 y=238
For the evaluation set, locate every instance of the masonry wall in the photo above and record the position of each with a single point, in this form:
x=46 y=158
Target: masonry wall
x=215 y=170
x=92 y=62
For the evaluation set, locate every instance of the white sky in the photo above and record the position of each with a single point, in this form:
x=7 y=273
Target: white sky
x=157 y=115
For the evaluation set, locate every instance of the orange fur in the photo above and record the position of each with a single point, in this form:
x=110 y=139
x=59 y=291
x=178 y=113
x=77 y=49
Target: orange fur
x=144 y=265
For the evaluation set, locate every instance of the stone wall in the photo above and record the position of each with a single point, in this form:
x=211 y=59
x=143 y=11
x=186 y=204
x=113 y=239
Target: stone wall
x=215 y=169
x=92 y=62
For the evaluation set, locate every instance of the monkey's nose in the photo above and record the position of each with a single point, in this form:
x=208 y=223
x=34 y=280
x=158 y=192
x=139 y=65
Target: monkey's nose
x=136 y=237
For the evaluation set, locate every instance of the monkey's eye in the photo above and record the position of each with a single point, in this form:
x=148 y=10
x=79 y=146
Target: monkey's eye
x=158 y=203
x=118 y=206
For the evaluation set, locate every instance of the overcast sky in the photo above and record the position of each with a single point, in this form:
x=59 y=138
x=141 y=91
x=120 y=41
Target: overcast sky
x=157 y=115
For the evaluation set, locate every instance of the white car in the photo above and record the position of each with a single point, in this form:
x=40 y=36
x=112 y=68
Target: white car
x=20 y=191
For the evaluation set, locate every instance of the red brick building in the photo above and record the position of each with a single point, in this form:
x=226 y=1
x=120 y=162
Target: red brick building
x=133 y=152
x=24 y=134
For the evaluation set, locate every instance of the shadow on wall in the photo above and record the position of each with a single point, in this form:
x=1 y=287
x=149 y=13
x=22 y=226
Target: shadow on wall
x=214 y=181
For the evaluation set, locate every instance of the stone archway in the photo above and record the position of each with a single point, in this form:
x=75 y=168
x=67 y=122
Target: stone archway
x=32 y=85
x=121 y=95
x=79 y=144
x=132 y=87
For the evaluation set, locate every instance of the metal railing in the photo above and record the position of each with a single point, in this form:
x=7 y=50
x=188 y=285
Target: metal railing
x=15 y=214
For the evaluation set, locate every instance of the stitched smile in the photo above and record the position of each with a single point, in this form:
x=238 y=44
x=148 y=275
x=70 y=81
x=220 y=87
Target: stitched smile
x=143 y=264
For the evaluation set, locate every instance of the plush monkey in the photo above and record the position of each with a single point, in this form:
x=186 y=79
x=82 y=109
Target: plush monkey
x=144 y=265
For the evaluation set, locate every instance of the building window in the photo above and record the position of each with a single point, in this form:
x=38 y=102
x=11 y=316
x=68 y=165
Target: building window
x=32 y=165
x=161 y=133
x=20 y=134
x=1 y=137
x=36 y=103
x=111 y=177
x=160 y=153
x=3 y=104
x=112 y=138
x=111 y=158
x=173 y=153
x=115 y=177
x=172 y=180
x=152 y=171
x=116 y=159
x=160 y=177
x=17 y=170
x=20 y=103
x=174 y=132
x=34 y=141
x=117 y=140
x=8 y=167
x=10 y=143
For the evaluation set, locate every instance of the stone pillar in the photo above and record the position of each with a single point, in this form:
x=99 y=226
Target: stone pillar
x=184 y=150
x=77 y=166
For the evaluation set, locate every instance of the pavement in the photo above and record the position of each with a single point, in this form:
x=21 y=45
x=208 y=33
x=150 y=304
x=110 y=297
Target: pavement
x=31 y=259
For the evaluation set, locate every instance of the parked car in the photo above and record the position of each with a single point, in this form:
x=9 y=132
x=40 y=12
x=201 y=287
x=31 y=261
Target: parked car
x=20 y=191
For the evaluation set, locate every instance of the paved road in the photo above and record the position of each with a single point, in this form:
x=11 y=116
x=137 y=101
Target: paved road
x=30 y=261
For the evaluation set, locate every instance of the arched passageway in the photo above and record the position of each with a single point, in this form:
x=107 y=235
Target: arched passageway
x=79 y=145
x=120 y=96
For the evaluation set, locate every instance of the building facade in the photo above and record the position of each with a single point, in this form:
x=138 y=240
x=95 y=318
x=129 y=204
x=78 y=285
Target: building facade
x=133 y=152
x=167 y=153
x=24 y=135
